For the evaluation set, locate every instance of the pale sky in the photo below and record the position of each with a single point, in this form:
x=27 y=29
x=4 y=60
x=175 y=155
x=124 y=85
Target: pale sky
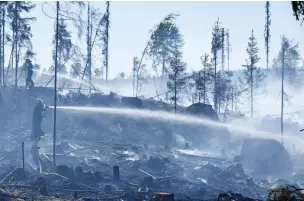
x=131 y=22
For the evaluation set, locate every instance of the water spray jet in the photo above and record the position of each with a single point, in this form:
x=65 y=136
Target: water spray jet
x=164 y=116
x=241 y=131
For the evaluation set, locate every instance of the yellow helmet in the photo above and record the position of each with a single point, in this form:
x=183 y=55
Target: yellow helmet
x=39 y=102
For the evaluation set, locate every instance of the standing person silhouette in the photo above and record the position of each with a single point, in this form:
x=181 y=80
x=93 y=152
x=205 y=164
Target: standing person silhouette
x=29 y=67
x=36 y=129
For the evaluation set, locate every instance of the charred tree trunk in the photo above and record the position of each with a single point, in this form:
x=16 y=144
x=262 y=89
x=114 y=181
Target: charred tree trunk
x=175 y=92
x=107 y=41
x=215 y=86
x=232 y=98
x=228 y=48
x=133 y=72
x=55 y=91
x=199 y=89
x=3 y=43
x=89 y=67
x=251 y=91
x=163 y=67
x=16 y=44
x=1 y=72
x=282 y=95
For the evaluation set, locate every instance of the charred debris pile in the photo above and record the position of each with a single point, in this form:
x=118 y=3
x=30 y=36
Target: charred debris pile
x=117 y=157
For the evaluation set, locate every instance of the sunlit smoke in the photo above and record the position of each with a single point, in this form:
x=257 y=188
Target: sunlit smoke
x=79 y=81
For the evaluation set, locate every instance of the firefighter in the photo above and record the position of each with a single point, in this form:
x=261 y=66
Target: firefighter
x=37 y=119
x=29 y=67
x=36 y=129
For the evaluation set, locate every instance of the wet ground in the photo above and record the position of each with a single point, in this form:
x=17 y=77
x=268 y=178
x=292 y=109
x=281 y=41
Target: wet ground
x=151 y=156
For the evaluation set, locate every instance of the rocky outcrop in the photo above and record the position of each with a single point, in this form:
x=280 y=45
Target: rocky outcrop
x=133 y=102
x=202 y=110
x=207 y=112
x=265 y=157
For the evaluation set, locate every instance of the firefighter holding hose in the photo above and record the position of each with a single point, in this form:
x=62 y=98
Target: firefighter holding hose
x=36 y=128
x=37 y=120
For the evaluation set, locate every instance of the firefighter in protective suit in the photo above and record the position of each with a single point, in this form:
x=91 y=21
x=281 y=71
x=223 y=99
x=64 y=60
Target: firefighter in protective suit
x=36 y=128
x=37 y=120
x=29 y=67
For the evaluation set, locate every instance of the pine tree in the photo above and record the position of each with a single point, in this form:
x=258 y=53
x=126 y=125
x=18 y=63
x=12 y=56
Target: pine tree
x=139 y=74
x=283 y=50
x=64 y=46
x=134 y=74
x=3 y=39
x=253 y=76
x=216 y=46
x=176 y=80
x=166 y=41
x=2 y=25
x=21 y=29
x=203 y=78
x=223 y=90
x=298 y=9
x=267 y=32
x=223 y=48
x=89 y=46
x=55 y=57
x=288 y=56
x=291 y=60
x=228 y=47
x=106 y=40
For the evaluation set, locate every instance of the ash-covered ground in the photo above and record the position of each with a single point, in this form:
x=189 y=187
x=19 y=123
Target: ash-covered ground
x=153 y=155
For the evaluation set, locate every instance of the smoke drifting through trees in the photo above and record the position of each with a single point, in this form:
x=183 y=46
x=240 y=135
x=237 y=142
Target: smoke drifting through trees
x=288 y=59
x=213 y=83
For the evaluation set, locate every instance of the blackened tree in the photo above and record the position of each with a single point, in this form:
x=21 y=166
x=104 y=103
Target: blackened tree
x=223 y=48
x=176 y=81
x=267 y=32
x=139 y=74
x=64 y=46
x=298 y=9
x=203 y=79
x=228 y=48
x=216 y=47
x=253 y=76
x=105 y=50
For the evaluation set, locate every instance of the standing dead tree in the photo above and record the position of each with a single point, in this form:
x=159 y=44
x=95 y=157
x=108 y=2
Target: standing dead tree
x=228 y=48
x=55 y=85
x=216 y=47
x=267 y=32
x=139 y=75
x=105 y=50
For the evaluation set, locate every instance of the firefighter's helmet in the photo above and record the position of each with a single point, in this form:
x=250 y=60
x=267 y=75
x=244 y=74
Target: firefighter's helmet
x=39 y=102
